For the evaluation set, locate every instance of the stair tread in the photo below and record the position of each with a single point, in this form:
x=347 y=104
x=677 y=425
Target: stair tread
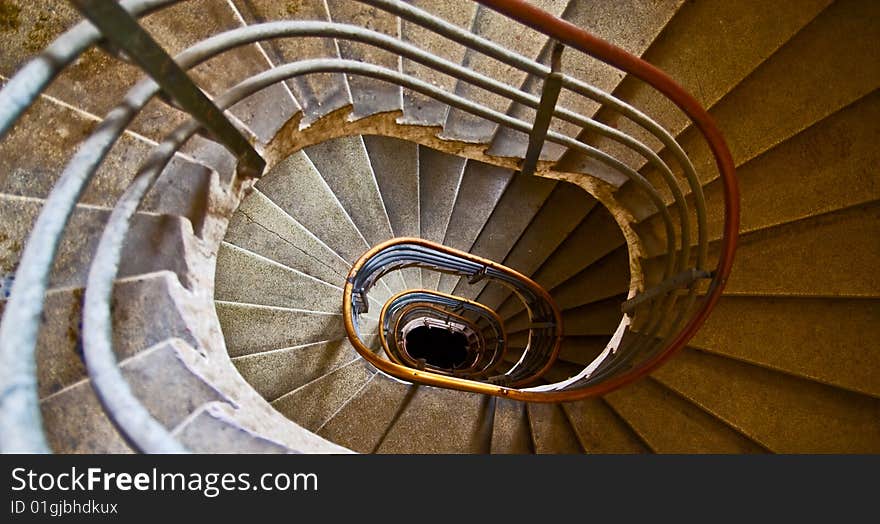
x=643 y=21
x=252 y=328
x=489 y=24
x=518 y=205
x=563 y=210
x=821 y=169
x=600 y=430
x=510 y=430
x=551 y=431
x=478 y=195
x=369 y=96
x=154 y=242
x=277 y=372
x=440 y=175
x=439 y=421
x=297 y=188
x=260 y=226
x=315 y=403
x=827 y=340
x=783 y=413
x=317 y=94
x=671 y=424
x=417 y=108
x=242 y=276
x=706 y=63
x=361 y=424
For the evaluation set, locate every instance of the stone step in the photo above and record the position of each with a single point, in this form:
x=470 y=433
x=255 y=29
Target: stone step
x=36 y=151
x=563 y=210
x=821 y=169
x=369 y=95
x=154 y=243
x=600 y=429
x=343 y=163
x=260 y=226
x=596 y=236
x=707 y=63
x=417 y=108
x=395 y=163
x=243 y=276
x=783 y=413
x=315 y=403
x=295 y=186
x=510 y=430
x=440 y=176
x=276 y=372
x=145 y=312
x=754 y=123
x=515 y=210
x=363 y=422
x=671 y=424
x=643 y=21
x=441 y=421
x=213 y=430
x=75 y=421
x=494 y=26
x=252 y=328
x=551 y=431
x=318 y=94
x=478 y=195
x=795 y=336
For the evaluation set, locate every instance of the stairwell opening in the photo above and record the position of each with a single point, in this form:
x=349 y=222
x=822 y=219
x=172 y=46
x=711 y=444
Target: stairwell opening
x=439 y=347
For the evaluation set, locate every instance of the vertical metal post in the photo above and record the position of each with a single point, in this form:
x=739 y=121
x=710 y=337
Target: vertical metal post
x=124 y=34
x=549 y=96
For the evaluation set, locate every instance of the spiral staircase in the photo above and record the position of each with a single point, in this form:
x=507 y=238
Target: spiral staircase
x=172 y=283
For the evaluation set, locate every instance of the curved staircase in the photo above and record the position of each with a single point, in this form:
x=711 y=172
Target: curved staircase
x=226 y=312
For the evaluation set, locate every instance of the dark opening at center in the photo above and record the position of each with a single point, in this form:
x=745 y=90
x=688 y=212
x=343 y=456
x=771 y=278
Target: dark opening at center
x=439 y=347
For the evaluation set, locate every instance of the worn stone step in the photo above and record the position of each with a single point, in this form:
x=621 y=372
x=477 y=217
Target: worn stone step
x=631 y=25
x=243 y=276
x=707 y=63
x=145 y=312
x=671 y=424
x=822 y=339
x=213 y=430
x=36 y=151
x=276 y=372
x=598 y=318
x=481 y=188
x=596 y=236
x=252 y=328
x=260 y=226
x=297 y=188
x=494 y=26
x=781 y=412
x=563 y=210
x=395 y=164
x=417 y=108
x=343 y=163
x=551 y=431
x=441 y=421
x=510 y=430
x=600 y=429
x=318 y=94
x=75 y=421
x=362 y=423
x=313 y=404
x=440 y=176
x=826 y=167
x=154 y=243
x=517 y=207
x=805 y=95
x=607 y=277
x=368 y=95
